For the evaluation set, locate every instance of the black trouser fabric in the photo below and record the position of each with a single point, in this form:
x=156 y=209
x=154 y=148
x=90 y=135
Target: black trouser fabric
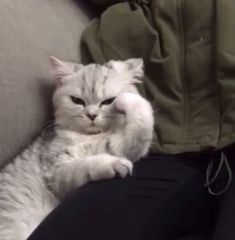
x=225 y=225
x=164 y=199
x=225 y=221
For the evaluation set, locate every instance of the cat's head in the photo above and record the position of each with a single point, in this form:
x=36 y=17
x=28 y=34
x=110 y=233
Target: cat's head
x=85 y=94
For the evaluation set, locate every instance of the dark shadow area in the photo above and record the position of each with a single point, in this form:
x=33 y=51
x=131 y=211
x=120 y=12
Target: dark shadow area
x=46 y=91
x=94 y=8
x=90 y=9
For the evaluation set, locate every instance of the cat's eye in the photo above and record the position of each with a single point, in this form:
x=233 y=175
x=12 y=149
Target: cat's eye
x=107 y=101
x=78 y=101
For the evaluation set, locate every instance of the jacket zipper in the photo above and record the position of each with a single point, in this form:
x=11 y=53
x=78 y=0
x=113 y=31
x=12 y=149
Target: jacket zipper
x=180 y=9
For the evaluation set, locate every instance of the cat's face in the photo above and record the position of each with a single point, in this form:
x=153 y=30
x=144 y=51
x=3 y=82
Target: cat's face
x=85 y=95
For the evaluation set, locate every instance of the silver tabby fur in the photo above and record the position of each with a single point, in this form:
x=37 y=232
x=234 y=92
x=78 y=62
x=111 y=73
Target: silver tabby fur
x=81 y=149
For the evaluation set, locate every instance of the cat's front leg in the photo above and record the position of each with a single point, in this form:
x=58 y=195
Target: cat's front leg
x=66 y=172
x=70 y=171
x=134 y=139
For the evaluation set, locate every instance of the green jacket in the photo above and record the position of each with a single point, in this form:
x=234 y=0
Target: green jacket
x=189 y=51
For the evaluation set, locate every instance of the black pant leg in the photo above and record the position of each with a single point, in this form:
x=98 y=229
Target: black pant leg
x=165 y=199
x=225 y=222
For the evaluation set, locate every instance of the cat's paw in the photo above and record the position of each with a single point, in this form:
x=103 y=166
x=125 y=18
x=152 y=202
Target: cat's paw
x=127 y=102
x=106 y=167
x=135 y=106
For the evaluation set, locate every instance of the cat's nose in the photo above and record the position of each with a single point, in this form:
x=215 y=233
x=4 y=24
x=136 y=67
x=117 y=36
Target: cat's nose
x=91 y=116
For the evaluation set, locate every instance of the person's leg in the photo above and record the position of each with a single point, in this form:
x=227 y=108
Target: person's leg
x=165 y=199
x=225 y=224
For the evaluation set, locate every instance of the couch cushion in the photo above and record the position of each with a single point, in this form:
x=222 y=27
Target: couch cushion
x=30 y=32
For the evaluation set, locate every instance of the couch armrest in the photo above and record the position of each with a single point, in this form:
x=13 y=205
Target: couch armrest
x=31 y=31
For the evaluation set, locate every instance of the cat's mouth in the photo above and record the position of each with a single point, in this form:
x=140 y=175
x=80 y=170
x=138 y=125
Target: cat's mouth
x=93 y=129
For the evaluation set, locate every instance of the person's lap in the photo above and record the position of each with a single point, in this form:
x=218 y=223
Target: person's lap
x=164 y=199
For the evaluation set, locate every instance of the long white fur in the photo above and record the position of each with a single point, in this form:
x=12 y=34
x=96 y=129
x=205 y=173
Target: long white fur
x=80 y=150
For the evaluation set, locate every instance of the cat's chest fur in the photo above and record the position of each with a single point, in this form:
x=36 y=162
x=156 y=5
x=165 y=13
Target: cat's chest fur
x=85 y=145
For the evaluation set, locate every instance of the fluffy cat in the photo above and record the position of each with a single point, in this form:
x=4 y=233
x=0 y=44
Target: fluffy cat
x=102 y=126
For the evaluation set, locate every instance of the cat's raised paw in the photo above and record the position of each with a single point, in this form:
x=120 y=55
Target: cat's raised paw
x=127 y=101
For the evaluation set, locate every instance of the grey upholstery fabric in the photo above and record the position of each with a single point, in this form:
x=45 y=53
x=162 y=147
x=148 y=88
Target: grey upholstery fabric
x=30 y=31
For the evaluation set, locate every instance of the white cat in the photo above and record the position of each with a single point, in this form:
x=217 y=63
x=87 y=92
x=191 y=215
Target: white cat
x=102 y=126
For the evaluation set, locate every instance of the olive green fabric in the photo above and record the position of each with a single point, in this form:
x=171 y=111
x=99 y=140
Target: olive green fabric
x=188 y=47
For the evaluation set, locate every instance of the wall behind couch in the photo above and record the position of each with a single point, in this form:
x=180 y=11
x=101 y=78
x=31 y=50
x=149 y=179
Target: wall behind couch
x=31 y=31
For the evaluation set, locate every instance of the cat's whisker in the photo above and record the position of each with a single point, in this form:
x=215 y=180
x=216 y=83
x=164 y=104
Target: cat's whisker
x=110 y=116
x=79 y=117
x=50 y=124
x=156 y=110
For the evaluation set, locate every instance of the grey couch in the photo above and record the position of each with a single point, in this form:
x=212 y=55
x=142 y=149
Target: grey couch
x=31 y=31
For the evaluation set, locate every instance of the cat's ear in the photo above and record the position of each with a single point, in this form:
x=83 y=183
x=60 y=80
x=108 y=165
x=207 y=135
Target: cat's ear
x=133 y=66
x=136 y=68
x=61 y=69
